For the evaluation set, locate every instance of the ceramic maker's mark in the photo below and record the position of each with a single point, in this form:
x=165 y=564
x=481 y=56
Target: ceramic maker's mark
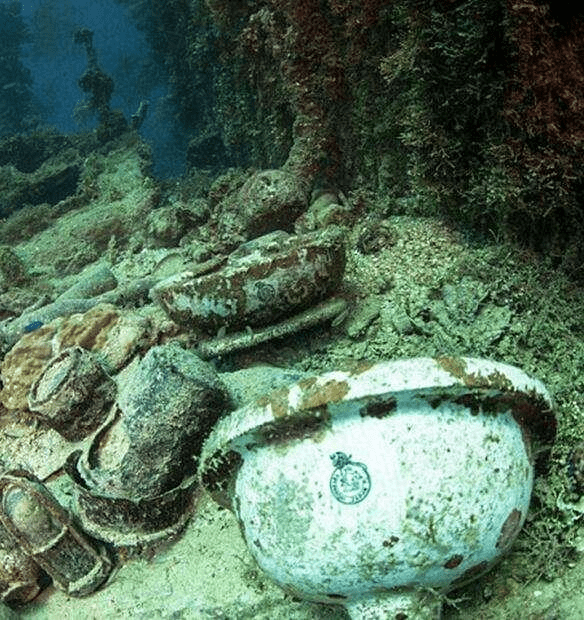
x=350 y=482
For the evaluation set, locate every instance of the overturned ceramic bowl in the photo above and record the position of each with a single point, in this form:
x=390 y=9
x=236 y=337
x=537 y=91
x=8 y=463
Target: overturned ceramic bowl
x=373 y=487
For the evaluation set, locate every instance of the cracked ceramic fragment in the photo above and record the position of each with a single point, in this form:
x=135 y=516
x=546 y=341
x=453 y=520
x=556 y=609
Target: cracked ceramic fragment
x=385 y=482
x=44 y=530
x=262 y=282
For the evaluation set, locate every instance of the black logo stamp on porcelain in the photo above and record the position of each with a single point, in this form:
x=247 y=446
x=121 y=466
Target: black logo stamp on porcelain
x=350 y=482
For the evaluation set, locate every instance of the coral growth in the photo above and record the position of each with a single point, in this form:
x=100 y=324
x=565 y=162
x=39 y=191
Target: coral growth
x=545 y=95
x=545 y=108
x=470 y=109
x=101 y=87
x=295 y=56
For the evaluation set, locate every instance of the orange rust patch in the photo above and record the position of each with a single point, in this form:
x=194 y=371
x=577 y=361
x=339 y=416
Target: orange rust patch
x=379 y=407
x=457 y=368
x=453 y=561
x=306 y=384
x=318 y=395
x=509 y=529
x=453 y=365
x=281 y=432
x=471 y=574
x=496 y=380
x=359 y=366
x=278 y=400
x=314 y=395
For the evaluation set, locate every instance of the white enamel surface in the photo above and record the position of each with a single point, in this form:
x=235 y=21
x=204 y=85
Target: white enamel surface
x=383 y=378
x=424 y=372
x=443 y=483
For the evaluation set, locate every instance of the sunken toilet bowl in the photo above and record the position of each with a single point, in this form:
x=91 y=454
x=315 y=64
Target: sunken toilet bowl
x=384 y=486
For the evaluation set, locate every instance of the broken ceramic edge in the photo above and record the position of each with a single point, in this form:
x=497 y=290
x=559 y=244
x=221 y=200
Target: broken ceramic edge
x=324 y=311
x=45 y=531
x=306 y=407
x=125 y=522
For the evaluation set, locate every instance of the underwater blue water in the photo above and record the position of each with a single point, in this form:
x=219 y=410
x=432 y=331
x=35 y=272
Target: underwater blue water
x=56 y=63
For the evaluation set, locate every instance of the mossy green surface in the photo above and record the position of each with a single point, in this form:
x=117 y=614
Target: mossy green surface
x=424 y=101
x=12 y=269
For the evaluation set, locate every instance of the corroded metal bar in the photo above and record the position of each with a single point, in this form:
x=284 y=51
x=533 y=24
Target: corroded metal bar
x=320 y=313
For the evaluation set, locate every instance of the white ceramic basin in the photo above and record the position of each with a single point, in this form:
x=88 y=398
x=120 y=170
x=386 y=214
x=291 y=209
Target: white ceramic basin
x=368 y=488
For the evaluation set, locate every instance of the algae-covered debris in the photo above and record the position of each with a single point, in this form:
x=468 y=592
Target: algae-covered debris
x=12 y=269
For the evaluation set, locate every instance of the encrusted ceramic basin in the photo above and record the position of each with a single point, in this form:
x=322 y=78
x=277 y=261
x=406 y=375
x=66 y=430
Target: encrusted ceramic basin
x=368 y=488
